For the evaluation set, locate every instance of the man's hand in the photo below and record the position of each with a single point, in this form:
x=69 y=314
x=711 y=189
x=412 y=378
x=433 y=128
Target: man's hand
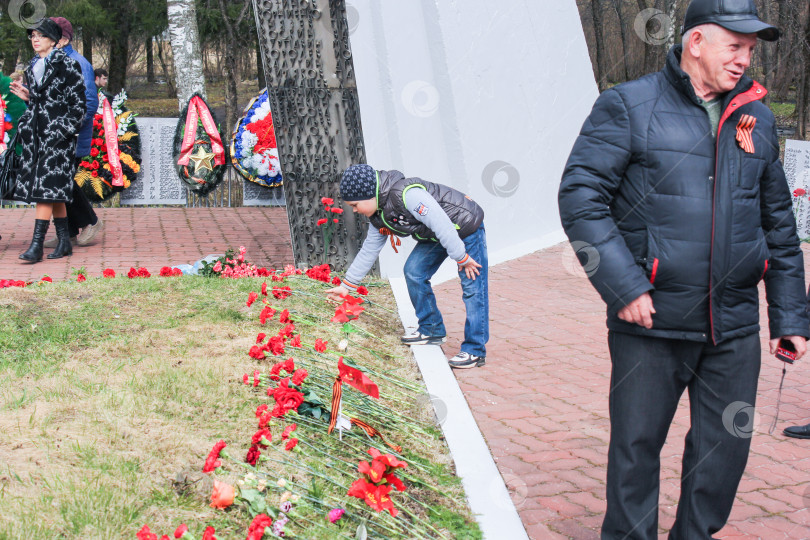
x=470 y=268
x=337 y=294
x=19 y=90
x=639 y=311
x=798 y=341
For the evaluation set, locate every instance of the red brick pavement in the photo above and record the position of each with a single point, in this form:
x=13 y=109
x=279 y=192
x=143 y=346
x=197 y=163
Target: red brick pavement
x=151 y=237
x=541 y=401
x=542 y=404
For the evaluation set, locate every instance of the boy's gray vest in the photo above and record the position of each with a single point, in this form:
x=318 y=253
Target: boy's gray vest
x=392 y=214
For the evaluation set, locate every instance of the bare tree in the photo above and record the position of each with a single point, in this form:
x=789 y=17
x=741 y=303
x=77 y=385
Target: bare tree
x=185 y=40
x=231 y=45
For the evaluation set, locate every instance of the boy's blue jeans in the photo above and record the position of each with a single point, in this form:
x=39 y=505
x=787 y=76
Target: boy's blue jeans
x=422 y=263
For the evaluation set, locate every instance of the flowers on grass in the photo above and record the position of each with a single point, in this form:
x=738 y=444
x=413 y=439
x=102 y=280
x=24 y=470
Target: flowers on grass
x=335 y=514
x=222 y=495
x=212 y=462
x=379 y=478
x=259 y=526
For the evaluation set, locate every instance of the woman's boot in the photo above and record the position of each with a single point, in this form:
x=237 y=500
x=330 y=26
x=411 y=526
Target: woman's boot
x=34 y=253
x=63 y=247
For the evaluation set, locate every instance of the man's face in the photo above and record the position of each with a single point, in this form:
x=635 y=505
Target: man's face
x=724 y=57
x=101 y=80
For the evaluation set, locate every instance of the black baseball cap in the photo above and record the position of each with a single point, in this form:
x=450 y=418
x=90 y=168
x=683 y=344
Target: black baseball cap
x=736 y=15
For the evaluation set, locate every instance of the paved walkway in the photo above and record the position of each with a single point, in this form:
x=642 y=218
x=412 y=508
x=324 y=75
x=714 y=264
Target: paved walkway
x=542 y=404
x=541 y=401
x=151 y=237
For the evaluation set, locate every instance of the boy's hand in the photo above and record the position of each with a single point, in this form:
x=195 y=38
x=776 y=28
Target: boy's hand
x=337 y=294
x=470 y=268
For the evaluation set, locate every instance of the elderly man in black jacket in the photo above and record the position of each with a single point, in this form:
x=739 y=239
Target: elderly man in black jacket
x=675 y=182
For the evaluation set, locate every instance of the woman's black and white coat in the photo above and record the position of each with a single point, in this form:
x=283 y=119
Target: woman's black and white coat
x=47 y=131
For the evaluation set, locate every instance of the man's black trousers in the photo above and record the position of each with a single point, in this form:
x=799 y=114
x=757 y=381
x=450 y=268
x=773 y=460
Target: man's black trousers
x=648 y=378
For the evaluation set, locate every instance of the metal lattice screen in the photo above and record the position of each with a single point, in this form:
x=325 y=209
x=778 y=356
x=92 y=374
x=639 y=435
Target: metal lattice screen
x=313 y=97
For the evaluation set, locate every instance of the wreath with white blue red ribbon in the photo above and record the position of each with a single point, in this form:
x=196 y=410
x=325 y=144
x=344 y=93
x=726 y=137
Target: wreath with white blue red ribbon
x=254 y=151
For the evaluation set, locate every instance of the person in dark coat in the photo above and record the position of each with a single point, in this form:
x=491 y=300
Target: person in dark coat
x=47 y=132
x=675 y=200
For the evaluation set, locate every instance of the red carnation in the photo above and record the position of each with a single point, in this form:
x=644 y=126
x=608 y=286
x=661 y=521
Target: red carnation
x=299 y=376
x=284 y=317
x=251 y=298
x=260 y=337
x=264 y=288
x=94 y=152
x=212 y=461
x=320 y=345
x=258 y=526
x=275 y=345
x=296 y=341
x=181 y=530
x=287 y=430
x=145 y=534
x=132 y=273
x=267 y=313
x=165 y=271
x=291 y=444
x=259 y=435
x=282 y=292
x=81 y=278
x=336 y=210
x=287 y=330
x=261 y=409
x=108 y=273
x=262 y=272
x=336 y=281
x=257 y=353
x=288 y=365
x=799 y=192
x=208 y=533
x=253 y=455
x=362 y=290
x=47 y=278
x=327 y=201
x=143 y=272
x=321 y=222
x=94 y=174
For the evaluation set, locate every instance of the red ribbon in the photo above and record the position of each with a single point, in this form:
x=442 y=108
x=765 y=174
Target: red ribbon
x=111 y=136
x=198 y=110
x=2 y=124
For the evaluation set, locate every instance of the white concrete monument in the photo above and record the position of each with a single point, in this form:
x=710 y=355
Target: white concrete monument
x=484 y=96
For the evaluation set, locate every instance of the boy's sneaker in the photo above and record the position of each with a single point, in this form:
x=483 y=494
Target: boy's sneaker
x=417 y=338
x=466 y=360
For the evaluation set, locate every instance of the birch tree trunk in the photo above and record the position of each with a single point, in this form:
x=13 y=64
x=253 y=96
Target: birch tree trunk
x=671 y=31
x=185 y=40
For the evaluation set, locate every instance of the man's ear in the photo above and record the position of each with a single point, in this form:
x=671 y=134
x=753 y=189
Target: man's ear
x=696 y=39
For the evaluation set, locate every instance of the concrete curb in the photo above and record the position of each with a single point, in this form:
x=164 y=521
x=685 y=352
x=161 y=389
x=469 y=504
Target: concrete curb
x=483 y=484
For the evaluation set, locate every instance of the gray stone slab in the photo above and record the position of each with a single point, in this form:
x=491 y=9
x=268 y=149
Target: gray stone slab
x=157 y=183
x=255 y=195
x=797 y=171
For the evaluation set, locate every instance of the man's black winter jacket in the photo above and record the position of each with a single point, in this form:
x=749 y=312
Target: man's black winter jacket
x=696 y=221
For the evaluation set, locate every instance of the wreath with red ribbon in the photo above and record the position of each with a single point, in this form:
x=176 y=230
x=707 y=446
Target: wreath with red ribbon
x=115 y=151
x=199 y=154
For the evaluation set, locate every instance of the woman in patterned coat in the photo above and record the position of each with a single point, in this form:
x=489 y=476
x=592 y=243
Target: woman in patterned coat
x=47 y=132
